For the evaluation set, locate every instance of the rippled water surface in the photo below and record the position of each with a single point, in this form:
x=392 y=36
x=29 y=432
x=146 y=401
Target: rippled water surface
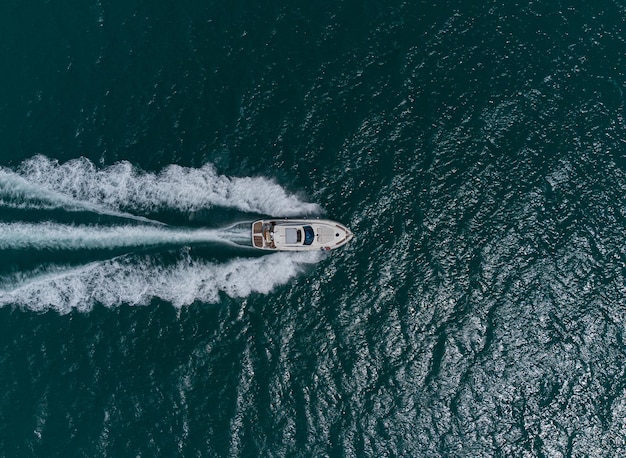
x=476 y=151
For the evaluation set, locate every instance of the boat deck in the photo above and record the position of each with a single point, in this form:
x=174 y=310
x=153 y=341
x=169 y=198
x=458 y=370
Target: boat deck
x=299 y=235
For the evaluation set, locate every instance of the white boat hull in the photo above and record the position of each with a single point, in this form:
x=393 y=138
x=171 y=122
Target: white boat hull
x=299 y=235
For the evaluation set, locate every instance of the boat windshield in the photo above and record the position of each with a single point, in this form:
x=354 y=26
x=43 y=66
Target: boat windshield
x=309 y=235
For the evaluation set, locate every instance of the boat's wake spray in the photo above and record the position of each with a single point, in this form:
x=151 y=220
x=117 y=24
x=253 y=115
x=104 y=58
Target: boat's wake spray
x=51 y=236
x=238 y=233
x=123 y=191
x=138 y=279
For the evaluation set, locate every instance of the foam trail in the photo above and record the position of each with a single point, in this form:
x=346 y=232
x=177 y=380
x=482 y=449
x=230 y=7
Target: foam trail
x=18 y=192
x=54 y=236
x=136 y=280
x=122 y=187
x=238 y=233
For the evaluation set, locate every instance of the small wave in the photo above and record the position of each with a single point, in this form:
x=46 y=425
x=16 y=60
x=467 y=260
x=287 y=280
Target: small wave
x=124 y=188
x=137 y=280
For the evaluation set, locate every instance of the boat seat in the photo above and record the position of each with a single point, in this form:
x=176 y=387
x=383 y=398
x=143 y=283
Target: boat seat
x=325 y=235
x=291 y=236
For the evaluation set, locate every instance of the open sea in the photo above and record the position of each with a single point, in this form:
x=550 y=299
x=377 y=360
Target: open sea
x=476 y=149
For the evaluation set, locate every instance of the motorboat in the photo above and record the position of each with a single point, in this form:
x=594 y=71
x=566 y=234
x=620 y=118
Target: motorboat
x=299 y=234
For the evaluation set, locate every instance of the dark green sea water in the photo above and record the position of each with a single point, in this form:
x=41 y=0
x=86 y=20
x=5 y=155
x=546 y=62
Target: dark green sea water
x=476 y=149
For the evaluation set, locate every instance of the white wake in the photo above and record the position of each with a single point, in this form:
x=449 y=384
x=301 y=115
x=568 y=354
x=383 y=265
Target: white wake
x=18 y=192
x=122 y=188
x=135 y=280
x=53 y=236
